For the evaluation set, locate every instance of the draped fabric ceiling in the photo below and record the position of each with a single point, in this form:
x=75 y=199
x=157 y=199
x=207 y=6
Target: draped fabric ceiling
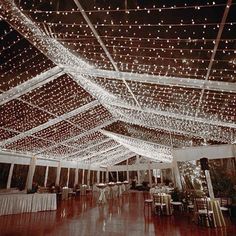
x=101 y=81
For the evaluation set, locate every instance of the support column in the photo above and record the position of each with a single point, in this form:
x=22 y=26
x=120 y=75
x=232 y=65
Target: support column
x=46 y=177
x=83 y=176
x=102 y=173
x=127 y=166
x=58 y=174
x=161 y=175
x=149 y=174
x=30 y=175
x=117 y=176
x=88 y=177
x=98 y=176
x=107 y=176
x=68 y=177
x=156 y=176
x=172 y=176
x=10 y=176
x=92 y=178
x=177 y=178
x=76 y=175
x=138 y=172
x=138 y=176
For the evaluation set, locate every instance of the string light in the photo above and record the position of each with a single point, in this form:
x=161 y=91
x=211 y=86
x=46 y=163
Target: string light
x=142 y=147
x=154 y=8
x=137 y=44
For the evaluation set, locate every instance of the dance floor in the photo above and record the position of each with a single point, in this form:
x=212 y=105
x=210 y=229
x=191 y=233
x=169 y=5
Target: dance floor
x=124 y=216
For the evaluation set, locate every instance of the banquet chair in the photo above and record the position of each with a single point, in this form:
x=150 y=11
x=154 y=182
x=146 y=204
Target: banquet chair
x=225 y=205
x=188 y=201
x=188 y=205
x=158 y=204
x=148 y=201
x=203 y=212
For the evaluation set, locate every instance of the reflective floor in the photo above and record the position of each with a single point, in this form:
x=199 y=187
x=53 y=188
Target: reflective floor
x=124 y=216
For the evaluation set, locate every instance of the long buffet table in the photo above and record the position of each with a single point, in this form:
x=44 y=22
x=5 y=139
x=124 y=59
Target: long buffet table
x=19 y=203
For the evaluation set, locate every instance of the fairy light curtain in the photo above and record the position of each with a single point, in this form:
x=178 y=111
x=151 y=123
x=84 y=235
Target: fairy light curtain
x=147 y=149
x=178 y=43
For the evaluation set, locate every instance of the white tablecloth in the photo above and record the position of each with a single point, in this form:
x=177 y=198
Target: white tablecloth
x=102 y=197
x=44 y=202
x=19 y=203
x=65 y=193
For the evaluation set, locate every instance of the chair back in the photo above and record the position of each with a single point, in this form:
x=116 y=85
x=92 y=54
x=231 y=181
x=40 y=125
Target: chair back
x=189 y=198
x=201 y=204
x=157 y=198
x=225 y=202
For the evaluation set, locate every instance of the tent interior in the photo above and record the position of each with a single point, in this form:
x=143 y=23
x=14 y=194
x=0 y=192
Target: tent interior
x=128 y=91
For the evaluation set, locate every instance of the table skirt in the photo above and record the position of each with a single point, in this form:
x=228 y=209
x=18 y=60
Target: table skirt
x=44 y=202
x=20 y=203
x=65 y=194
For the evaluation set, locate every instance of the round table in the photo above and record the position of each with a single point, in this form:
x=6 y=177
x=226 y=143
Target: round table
x=102 y=196
x=166 y=199
x=83 y=189
x=111 y=192
x=119 y=188
x=126 y=183
x=65 y=193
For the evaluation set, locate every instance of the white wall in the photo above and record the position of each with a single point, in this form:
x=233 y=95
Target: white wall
x=210 y=152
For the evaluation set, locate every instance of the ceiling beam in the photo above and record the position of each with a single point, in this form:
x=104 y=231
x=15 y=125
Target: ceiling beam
x=104 y=47
x=108 y=100
x=83 y=13
x=110 y=155
x=174 y=115
x=112 y=134
x=108 y=158
x=145 y=148
x=50 y=47
x=160 y=80
x=97 y=153
x=31 y=84
x=118 y=158
x=217 y=41
x=50 y=123
x=17 y=132
x=143 y=166
x=113 y=104
x=97 y=128
x=36 y=137
x=166 y=128
x=89 y=147
x=90 y=143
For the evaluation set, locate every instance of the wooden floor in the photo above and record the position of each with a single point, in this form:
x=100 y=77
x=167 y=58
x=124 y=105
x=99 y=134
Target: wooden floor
x=123 y=216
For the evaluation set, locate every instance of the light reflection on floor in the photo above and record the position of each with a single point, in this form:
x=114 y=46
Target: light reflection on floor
x=120 y=216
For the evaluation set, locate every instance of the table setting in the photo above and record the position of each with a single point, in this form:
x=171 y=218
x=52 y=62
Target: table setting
x=102 y=190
